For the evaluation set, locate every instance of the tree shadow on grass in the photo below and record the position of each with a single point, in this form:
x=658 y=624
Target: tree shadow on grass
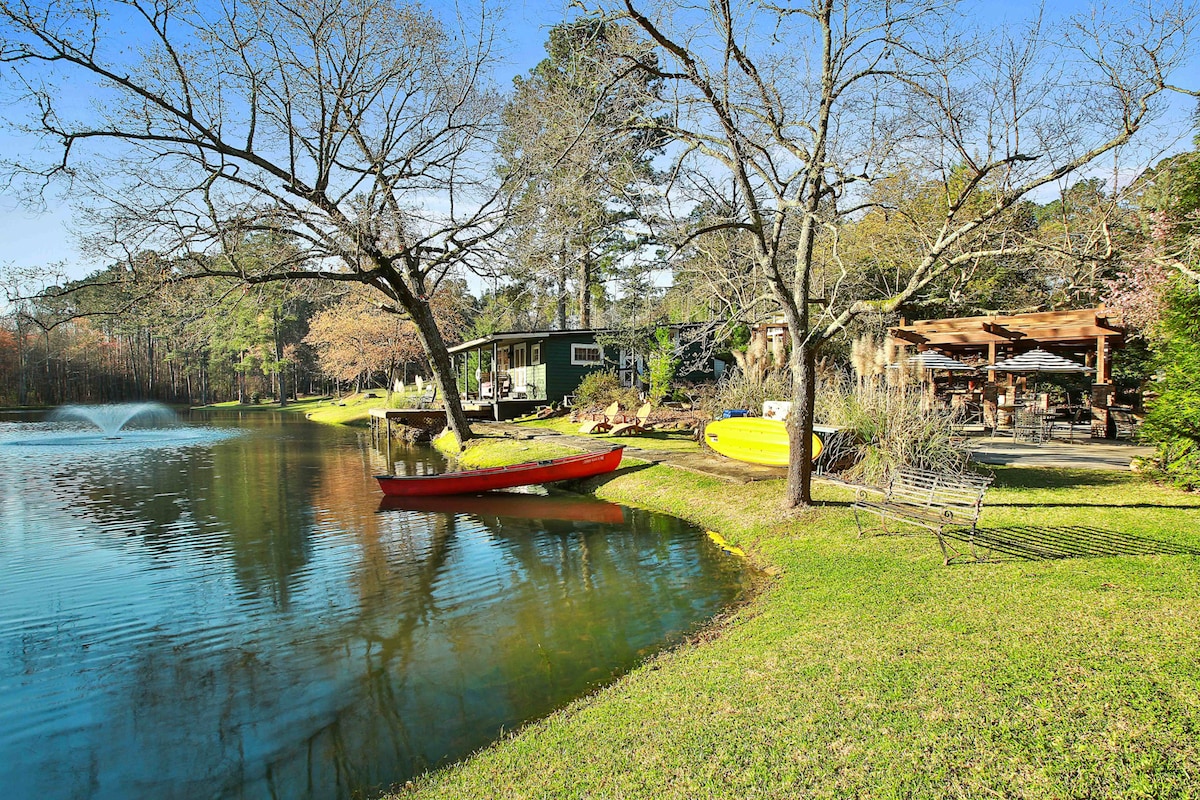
x=1045 y=543
x=1056 y=477
x=1111 y=506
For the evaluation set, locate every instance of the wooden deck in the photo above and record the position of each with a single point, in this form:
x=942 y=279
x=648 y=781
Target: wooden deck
x=413 y=417
x=426 y=419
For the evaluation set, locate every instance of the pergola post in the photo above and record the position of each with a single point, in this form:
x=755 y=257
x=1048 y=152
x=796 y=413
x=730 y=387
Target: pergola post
x=1101 y=389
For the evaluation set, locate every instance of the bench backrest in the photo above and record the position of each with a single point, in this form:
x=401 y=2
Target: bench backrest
x=938 y=490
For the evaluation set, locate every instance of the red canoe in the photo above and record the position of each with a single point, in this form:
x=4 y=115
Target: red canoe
x=483 y=480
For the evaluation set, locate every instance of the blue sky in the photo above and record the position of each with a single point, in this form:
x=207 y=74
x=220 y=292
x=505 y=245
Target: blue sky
x=39 y=237
x=31 y=237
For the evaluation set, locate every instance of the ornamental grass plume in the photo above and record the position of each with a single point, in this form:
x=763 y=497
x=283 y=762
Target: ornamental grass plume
x=892 y=428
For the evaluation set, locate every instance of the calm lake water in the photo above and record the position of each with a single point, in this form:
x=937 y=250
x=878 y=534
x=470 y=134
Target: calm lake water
x=229 y=610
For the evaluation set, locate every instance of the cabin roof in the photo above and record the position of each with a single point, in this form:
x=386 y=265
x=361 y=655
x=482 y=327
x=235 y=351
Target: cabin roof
x=511 y=337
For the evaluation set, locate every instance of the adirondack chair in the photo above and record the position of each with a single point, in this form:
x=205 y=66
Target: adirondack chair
x=639 y=423
x=602 y=422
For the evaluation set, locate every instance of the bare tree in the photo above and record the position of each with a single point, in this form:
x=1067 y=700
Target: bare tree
x=358 y=132
x=804 y=106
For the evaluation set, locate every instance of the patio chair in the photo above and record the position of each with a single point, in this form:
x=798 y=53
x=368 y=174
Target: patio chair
x=1029 y=425
x=1070 y=416
x=639 y=423
x=1124 y=423
x=427 y=398
x=991 y=419
x=602 y=422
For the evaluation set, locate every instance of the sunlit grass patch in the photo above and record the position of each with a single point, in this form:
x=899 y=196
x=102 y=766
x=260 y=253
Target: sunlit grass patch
x=353 y=409
x=651 y=440
x=866 y=668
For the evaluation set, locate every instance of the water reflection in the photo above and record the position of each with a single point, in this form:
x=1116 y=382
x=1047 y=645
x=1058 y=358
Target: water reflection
x=245 y=618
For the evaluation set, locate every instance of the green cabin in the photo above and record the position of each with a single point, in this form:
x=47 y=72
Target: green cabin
x=511 y=374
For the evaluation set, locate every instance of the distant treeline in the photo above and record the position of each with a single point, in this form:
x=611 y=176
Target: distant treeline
x=199 y=344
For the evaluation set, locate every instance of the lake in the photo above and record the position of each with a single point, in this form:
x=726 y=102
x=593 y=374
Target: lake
x=228 y=609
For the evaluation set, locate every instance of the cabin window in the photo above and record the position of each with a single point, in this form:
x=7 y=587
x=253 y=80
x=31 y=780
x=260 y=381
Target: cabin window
x=535 y=354
x=518 y=356
x=586 y=355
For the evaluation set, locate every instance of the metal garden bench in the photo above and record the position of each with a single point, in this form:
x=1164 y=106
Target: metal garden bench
x=931 y=500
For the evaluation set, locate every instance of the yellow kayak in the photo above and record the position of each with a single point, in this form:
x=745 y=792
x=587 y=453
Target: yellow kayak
x=754 y=439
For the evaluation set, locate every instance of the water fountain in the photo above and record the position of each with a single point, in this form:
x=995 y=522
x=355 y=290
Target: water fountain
x=119 y=425
x=111 y=418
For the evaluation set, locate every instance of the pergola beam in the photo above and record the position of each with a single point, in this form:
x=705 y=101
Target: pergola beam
x=908 y=336
x=1003 y=332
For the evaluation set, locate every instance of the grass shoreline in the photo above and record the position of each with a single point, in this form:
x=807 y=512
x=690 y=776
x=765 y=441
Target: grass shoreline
x=866 y=668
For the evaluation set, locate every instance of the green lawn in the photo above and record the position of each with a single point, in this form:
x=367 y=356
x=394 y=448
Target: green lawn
x=866 y=668
x=354 y=409
x=651 y=440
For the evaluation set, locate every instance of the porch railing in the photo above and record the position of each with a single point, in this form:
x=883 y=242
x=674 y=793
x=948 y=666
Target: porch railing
x=516 y=383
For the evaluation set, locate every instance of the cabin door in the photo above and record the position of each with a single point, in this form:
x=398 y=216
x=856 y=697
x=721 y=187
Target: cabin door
x=517 y=371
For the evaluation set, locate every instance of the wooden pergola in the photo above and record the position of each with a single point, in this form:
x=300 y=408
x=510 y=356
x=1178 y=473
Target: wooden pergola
x=1090 y=334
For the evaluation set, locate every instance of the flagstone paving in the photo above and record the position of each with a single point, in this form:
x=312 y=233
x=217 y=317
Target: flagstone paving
x=996 y=450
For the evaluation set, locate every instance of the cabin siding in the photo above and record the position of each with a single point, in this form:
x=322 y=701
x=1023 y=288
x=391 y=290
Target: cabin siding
x=563 y=377
x=553 y=376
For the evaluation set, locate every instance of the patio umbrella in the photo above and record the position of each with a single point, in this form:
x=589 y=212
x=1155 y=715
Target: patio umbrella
x=1039 y=361
x=931 y=359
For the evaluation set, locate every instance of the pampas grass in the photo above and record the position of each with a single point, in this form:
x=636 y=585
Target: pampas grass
x=891 y=427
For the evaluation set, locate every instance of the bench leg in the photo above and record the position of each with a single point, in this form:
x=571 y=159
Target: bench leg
x=946 y=557
x=947 y=549
x=881 y=526
x=974 y=553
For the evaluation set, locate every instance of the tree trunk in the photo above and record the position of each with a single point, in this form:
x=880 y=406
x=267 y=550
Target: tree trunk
x=561 y=303
x=443 y=372
x=585 y=292
x=22 y=364
x=280 y=373
x=800 y=426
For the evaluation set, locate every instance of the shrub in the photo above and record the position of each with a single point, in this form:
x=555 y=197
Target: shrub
x=1175 y=413
x=1173 y=419
x=602 y=388
x=737 y=389
x=662 y=365
x=893 y=426
x=1176 y=461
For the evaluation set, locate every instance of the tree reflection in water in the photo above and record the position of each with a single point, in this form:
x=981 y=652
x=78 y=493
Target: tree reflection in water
x=246 y=620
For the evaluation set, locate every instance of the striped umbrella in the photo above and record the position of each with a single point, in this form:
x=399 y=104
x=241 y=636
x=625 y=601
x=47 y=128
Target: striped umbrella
x=1039 y=361
x=931 y=359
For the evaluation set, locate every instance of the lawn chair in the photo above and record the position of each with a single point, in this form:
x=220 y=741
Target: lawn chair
x=1029 y=426
x=1124 y=423
x=639 y=423
x=602 y=422
x=1068 y=418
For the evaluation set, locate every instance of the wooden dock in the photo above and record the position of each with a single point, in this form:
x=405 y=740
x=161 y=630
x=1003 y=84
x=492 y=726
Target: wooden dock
x=426 y=419
x=430 y=420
